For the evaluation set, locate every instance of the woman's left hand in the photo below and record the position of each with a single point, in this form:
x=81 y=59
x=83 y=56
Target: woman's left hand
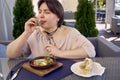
x=52 y=50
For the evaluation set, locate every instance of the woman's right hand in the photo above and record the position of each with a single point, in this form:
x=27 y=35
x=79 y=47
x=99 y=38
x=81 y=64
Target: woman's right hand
x=31 y=24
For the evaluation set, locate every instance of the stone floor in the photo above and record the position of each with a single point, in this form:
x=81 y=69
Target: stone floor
x=107 y=34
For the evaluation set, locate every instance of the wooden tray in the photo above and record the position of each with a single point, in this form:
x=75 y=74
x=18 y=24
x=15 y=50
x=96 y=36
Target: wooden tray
x=42 y=72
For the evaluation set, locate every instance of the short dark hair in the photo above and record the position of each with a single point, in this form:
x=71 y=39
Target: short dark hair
x=55 y=7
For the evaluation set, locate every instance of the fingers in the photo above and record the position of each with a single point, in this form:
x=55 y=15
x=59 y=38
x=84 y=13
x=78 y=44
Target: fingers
x=50 y=49
x=53 y=50
x=33 y=21
x=31 y=24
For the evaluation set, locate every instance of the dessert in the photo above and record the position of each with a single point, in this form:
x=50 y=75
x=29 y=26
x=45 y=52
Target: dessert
x=86 y=66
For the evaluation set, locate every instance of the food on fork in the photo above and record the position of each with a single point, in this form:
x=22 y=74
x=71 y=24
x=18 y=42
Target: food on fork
x=86 y=66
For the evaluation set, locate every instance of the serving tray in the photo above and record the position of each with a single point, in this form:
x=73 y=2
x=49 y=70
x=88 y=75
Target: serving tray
x=42 y=72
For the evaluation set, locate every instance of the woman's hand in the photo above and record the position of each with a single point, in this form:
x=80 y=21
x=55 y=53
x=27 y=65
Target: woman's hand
x=52 y=50
x=31 y=24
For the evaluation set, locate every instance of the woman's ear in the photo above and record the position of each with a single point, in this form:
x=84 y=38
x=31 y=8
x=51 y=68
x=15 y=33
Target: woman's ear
x=58 y=20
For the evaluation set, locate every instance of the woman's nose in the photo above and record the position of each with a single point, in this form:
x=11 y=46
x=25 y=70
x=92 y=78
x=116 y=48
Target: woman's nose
x=41 y=15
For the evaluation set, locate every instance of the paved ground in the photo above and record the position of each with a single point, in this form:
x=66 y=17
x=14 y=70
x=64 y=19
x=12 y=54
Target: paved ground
x=107 y=34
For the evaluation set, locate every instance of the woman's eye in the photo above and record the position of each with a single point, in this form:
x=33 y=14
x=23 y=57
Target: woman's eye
x=39 y=11
x=47 y=12
x=44 y=12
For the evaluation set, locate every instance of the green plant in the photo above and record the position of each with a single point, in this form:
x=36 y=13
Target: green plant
x=23 y=10
x=64 y=23
x=85 y=18
x=101 y=3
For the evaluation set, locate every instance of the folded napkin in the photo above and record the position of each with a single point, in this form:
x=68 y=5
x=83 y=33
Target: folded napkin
x=54 y=75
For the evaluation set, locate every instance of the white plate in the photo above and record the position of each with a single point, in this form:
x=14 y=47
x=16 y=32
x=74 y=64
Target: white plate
x=97 y=70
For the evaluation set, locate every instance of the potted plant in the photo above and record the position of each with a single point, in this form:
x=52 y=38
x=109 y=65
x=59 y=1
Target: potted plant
x=85 y=18
x=22 y=11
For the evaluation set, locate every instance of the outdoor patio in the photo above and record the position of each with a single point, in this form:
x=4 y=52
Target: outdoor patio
x=104 y=32
x=107 y=34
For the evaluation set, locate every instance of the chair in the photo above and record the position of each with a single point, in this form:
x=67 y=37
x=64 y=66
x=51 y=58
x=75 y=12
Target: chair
x=104 y=48
x=5 y=42
x=3 y=45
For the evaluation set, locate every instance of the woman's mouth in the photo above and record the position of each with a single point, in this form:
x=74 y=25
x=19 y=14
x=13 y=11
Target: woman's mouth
x=42 y=22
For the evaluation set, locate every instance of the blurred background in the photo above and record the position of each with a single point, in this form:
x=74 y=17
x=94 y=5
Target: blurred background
x=104 y=10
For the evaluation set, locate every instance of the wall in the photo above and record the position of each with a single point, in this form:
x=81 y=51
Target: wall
x=70 y=5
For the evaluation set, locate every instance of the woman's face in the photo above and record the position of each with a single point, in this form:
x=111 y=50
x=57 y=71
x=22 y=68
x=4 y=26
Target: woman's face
x=47 y=19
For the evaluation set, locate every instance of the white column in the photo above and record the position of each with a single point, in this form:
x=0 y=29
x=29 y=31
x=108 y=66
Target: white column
x=110 y=10
x=96 y=9
x=8 y=4
x=3 y=22
x=35 y=4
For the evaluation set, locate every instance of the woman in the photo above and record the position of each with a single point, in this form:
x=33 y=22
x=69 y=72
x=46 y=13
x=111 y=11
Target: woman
x=51 y=37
